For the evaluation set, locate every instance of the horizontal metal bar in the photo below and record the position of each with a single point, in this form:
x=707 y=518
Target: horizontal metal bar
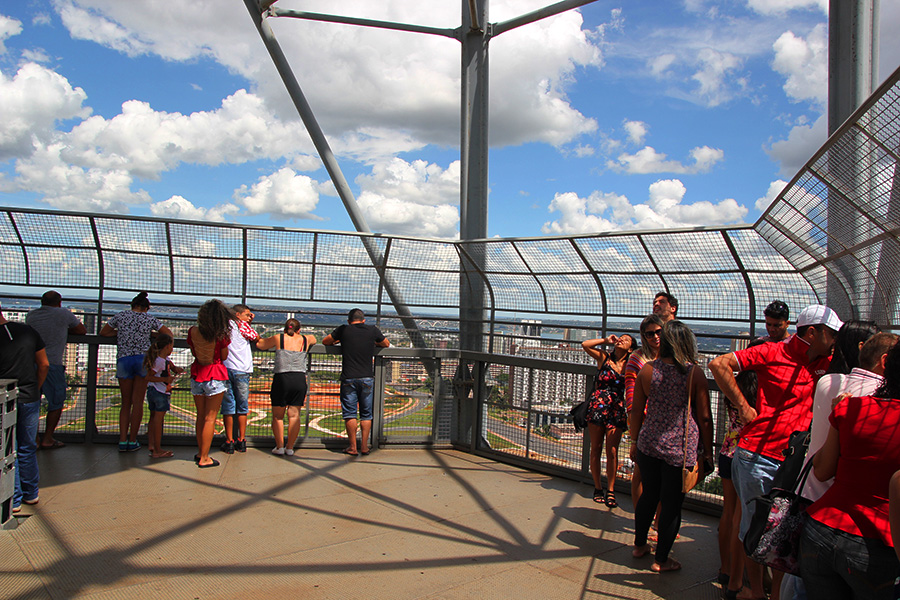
x=311 y=16
x=537 y=15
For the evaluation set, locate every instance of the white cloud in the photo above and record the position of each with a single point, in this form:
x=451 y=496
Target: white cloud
x=283 y=195
x=70 y=187
x=31 y=103
x=804 y=62
x=178 y=207
x=8 y=28
x=601 y=212
x=412 y=198
x=147 y=142
x=775 y=188
x=778 y=7
x=712 y=75
x=583 y=150
x=648 y=160
x=574 y=215
x=660 y=64
x=636 y=130
x=802 y=142
x=404 y=83
x=35 y=55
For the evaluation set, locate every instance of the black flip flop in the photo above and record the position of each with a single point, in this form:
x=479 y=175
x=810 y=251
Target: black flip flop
x=214 y=463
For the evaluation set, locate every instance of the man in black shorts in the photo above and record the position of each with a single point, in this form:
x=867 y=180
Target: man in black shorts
x=358 y=342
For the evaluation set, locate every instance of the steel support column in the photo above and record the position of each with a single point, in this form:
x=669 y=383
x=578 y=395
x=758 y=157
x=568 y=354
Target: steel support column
x=852 y=77
x=473 y=200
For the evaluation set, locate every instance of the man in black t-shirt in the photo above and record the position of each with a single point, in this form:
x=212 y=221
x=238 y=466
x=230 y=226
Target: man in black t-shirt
x=358 y=342
x=22 y=357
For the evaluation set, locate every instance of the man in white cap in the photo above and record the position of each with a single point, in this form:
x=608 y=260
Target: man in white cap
x=787 y=374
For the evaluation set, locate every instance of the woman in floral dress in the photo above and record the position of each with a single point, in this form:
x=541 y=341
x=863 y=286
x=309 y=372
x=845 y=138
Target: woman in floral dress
x=606 y=412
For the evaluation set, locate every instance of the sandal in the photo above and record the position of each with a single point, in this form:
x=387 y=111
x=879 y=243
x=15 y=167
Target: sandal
x=669 y=565
x=610 y=500
x=598 y=495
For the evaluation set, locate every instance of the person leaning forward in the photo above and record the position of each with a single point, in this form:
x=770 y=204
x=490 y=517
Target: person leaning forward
x=358 y=342
x=54 y=324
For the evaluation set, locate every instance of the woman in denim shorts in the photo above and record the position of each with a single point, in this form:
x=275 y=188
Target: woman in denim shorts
x=209 y=341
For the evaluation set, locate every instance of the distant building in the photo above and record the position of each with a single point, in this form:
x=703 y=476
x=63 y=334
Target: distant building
x=531 y=327
x=553 y=391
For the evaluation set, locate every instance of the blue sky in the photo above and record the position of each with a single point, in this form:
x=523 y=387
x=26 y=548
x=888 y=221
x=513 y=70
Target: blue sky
x=647 y=114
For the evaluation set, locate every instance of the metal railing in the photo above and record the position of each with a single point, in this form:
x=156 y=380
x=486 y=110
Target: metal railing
x=511 y=408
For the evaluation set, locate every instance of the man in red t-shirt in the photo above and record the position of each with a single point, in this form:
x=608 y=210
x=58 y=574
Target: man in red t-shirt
x=787 y=374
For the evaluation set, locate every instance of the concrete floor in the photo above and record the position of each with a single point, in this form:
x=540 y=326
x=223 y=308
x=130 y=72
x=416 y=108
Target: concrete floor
x=397 y=524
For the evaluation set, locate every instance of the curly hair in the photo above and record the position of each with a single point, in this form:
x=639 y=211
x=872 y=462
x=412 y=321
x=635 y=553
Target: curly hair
x=214 y=320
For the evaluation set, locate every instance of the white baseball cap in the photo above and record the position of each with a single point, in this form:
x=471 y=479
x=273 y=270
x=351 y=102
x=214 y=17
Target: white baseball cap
x=817 y=314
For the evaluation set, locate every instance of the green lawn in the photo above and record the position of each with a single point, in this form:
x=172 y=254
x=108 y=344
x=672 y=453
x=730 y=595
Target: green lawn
x=498 y=443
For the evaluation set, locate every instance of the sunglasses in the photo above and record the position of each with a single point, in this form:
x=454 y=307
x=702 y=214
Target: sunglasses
x=654 y=333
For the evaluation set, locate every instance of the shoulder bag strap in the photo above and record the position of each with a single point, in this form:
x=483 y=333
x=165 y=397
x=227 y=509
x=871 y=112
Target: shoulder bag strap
x=687 y=414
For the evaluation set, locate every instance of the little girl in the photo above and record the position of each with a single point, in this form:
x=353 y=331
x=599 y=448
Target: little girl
x=161 y=373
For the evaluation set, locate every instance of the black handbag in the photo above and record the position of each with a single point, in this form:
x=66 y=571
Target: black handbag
x=794 y=455
x=579 y=415
x=579 y=411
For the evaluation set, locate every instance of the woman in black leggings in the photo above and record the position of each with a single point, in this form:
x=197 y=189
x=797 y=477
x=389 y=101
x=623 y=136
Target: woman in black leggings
x=662 y=386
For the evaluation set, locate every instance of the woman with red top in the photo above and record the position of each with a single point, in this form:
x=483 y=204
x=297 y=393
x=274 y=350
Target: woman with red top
x=846 y=549
x=209 y=341
x=651 y=332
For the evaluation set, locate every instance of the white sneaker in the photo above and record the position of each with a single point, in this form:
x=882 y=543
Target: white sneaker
x=289 y=451
x=278 y=451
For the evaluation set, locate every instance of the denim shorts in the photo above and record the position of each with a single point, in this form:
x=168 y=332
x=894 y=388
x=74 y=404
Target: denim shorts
x=752 y=475
x=157 y=400
x=237 y=394
x=129 y=367
x=357 y=392
x=54 y=388
x=207 y=388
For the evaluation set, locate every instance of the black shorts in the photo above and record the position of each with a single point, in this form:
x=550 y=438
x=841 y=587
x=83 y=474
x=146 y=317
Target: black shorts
x=288 y=389
x=725 y=466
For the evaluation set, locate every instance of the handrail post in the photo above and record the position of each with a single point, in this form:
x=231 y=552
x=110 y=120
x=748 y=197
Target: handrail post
x=90 y=408
x=378 y=438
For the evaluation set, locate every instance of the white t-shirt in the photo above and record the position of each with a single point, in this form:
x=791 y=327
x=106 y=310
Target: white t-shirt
x=240 y=354
x=858 y=383
x=159 y=365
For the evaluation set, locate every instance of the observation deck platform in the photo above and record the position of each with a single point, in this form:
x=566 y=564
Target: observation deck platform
x=397 y=524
